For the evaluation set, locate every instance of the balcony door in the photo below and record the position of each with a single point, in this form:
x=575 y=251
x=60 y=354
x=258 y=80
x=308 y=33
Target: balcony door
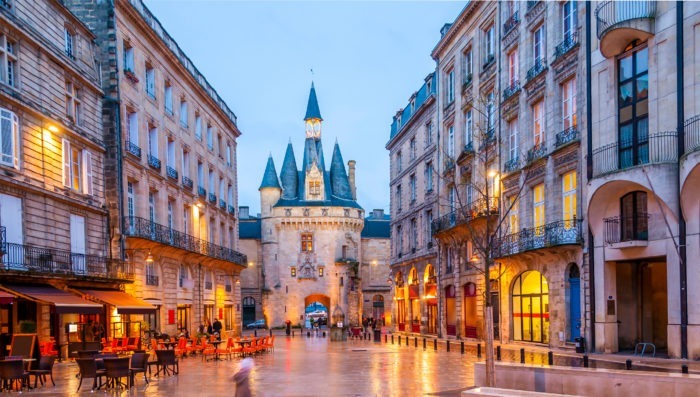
x=634 y=217
x=633 y=108
x=11 y=219
x=77 y=244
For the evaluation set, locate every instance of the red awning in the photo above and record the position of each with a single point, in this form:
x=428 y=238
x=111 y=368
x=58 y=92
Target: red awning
x=6 y=298
x=413 y=291
x=65 y=302
x=125 y=303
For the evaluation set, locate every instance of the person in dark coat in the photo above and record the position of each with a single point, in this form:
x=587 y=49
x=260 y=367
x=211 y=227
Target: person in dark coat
x=216 y=327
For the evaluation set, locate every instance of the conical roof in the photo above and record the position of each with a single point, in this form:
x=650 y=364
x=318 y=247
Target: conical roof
x=270 y=176
x=339 y=177
x=312 y=110
x=289 y=175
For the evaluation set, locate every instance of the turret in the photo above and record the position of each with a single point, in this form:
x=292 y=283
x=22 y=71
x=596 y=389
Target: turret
x=270 y=189
x=313 y=117
x=289 y=174
x=339 y=178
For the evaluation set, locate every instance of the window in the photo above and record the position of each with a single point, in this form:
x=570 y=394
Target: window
x=151 y=276
x=399 y=237
x=569 y=19
x=513 y=221
x=222 y=188
x=183 y=113
x=228 y=154
x=185 y=163
x=538 y=123
x=452 y=199
x=307 y=244
x=186 y=220
x=428 y=224
x=513 y=140
x=538 y=45
x=398 y=197
x=77 y=168
x=450 y=89
x=315 y=188
x=429 y=176
x=633 y=109
x=152 y=206
x=183 y=275
x=212 y=183
x=153 y=141
x=412 y=184
x=399 y=161
x=568 y=198
x=128 y=57
x=489 y=45
x=9 y=138
x=490 y=113
x=8 y=59
x=413 y=148
x=634 y=217
x=451 y=141
x=569 y=103
x=468 y=127
x=210 y=137
x=428 y=134
x=230 y=195
x=414 y=234
x=209 y=284
x=513 y=68
x=69 y=43
x=73 y=103
x=150 y=81
x=469 y=192
x=467 y=66
x=170 y=160
x=538 y=208
x=198 y=127
x=168 y=97
x=130 y=207
x=200 y=174
x=132 y=124
x=170 y=215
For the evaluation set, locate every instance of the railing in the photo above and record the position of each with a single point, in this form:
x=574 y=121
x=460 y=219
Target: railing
x=49 y=261
x=657 y=149
x=536 y=152
x=511 y=90
x=488 y=61
x=620 y=229
x=208 y=285
x=133 y=149
x=553 y=234
x=612 y=13
x=467 y=82
x=531 y=4
x=171 y=172
x=212 y=198
x=691 y=130
x=510 y=23
x=570 y=41
x=469 y=148
x=151 y=279
x=3 y=240
x=511 y=165
x=231 y=209
x=144 y=228
x=201 y=191
x=153 y=162
x=539 y=67
x=187 y=182
x=568 y=135
x=222 y=204
x=471 y=211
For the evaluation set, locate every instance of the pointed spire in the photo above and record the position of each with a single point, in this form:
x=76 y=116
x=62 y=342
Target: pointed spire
x=312 y=110
x=289 y=174
x=339 y=177
x=270 y=176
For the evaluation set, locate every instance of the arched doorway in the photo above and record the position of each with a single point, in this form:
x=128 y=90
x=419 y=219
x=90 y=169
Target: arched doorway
x=400 y=302
x=470 y=316
x=248 y=310
x=530 y=302
x=414 y=300
x=316 y=309
x=378 y=309
x=430 y=283
x=574 y=299
x=450 y=310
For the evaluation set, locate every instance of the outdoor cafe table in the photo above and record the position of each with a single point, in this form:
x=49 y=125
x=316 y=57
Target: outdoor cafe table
x=169 y=344
x=216 y=344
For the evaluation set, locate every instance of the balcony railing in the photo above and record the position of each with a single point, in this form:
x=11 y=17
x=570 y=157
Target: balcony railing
x=511 y=90
x=691 y=129
x=510 y=23
x=231 y=209
x=511 y=165
x=622 y=229
x=201 y=191
x=171 y=172
x=49 y=261
x=187 y=182
x=539 y=67
x=489 y=60
x=133 y=149
x=659 y=148
x=537 y=152
x=151 y=279
x=568 y=135
x=570 y=41
x=532 y=4
x=476 y=209
x=553 y=234
x=153 y=162
x=222 y=204
x=468 y=148
x=212 y=198
x=144 y=228
x=611 y=14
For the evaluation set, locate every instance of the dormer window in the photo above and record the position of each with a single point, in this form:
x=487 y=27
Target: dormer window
x=315 y=188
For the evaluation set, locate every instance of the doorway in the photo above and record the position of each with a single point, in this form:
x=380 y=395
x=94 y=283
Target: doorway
x=248 y=310
x=531 y=308
x=470 y=317
x=574 y=302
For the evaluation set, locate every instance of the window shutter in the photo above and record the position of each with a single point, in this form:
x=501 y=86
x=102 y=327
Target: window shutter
x=15 y=140
x=87 y=172
x=66 y=162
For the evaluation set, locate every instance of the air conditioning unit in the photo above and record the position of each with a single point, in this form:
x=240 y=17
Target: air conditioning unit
x=188 y=283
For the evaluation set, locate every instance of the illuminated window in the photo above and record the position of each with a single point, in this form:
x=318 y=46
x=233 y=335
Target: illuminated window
x=294 y=271
x=538 y=208
x=569 y=197
x=320 y=271
x=307 y=244
x=538 y=123
x=314 y=188
x=77 y=168
x=513 y=222
x=569 y=103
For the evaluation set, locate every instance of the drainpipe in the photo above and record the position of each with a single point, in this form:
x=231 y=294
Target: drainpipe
x=680 y=115
x=589 y=172
x=438 y=128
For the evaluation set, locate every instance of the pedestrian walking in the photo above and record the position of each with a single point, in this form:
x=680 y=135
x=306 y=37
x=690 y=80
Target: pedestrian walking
x=241 y=377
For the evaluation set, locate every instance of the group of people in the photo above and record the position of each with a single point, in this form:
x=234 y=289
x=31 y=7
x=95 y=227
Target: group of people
x=369 y=323
x=211 y=328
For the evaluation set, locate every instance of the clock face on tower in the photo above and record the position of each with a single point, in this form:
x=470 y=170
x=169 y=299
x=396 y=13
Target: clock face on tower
x=313 y=128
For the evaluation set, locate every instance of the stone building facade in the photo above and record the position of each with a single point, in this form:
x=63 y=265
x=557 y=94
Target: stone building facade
x=311 y=242
x=171 y=173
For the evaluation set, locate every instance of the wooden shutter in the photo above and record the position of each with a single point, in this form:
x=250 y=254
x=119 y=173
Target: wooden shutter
x=87 y=172
x=66 y=163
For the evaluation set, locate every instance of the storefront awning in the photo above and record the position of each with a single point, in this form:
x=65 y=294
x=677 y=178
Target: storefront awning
x=65 y=302
x=6 y=298
x=125 y=303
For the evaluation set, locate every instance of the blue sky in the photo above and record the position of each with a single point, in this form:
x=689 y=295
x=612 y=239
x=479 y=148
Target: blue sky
x=367 y=58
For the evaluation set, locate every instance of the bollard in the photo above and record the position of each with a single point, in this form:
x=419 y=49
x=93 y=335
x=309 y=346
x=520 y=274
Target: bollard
x=498 y=353
x=462 y=347
x=406 y=340
x=550 y=358
x=308 y=334
x=292 y=334
x=385 y=336
x=270 y=331
x=435 y=344
x=522 y=355
x=255 y=332
x=415 y=342
x=585 y=361
x=478 y=350
x=392 y=339
x=684 y=369
x=399 y=340
x=447 y=345
x=324 y=334
x=424 y=343
x=628 y=364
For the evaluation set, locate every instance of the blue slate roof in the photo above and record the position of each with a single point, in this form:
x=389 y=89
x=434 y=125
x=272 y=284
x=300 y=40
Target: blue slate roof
x=270 y=176
x=312 y=110
x=289 y=174
x=426 y=91
x=339 y=178
x=249 y=228
x=377 y=228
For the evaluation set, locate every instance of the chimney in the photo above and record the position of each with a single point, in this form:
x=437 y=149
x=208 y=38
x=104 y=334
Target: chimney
x=243 y=212
x=351 y=178
x=378 y=213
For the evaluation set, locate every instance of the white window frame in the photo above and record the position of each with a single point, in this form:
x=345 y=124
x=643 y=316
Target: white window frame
x=569 y=19
x=8 y=59
x=513 y=67
x=412 y=185
x=538 y=208
x=150 y=81
x=132 y=123
x=9 y=130
x=73 y=102
x=210 y=137
x=490 y=42
x=69 y=43
x=198 y=127
x=569 y=104
x=538 y=123
x=451 y=141
x=77 y=168
x=128 y=57
x=450 y=91
x=538 y=45
x=168 y=97
x=429 y=176
x=513 y=140
x=153 y=141
x=185 y=163
x=183 y=113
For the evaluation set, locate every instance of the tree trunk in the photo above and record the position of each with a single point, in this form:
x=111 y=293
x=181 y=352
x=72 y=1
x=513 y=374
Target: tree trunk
x=490 y=360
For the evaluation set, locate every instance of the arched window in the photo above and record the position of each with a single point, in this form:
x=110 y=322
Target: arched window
x=531 y=307
x=248 y=301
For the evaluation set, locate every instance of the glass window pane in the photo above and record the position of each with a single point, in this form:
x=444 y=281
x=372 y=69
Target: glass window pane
x=642 y=108
x=625 y=68
x=625 y=114
x=517 y=319
x=642 y=86
x=625 y=94
x=626 y=136
x=642 y=60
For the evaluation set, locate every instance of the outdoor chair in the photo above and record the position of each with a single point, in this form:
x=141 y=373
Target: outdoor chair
x=12 y=371
x=139 y=364
x=87 y=353
x=167 y=362
x=45 y=368
x=116 y=369
x=88 y=369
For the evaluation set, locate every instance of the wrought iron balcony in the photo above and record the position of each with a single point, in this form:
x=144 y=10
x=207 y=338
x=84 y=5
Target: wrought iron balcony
x=467 y=82
x=568 y=135
x=133 y=149
x=511 y=90
x=222 y=204
x=532 y=4
x=488 y=61
x=537 y=152
x=468 y=148
x=153 y=162
x=570 y=41
x=144 y=228
x=658 y=148
x=152 y=279
x=3 y=240
x=510 y=23
x=212 y=198
x=201 y=191
x=53 y=262
x=539 y=67
x=691 y=129
x=231 y=209
x=567 y=232
x=620 y=22
x=623 y=229
x=171 y=172
x=511 y=165
x=187 y=182
x=470 y=212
